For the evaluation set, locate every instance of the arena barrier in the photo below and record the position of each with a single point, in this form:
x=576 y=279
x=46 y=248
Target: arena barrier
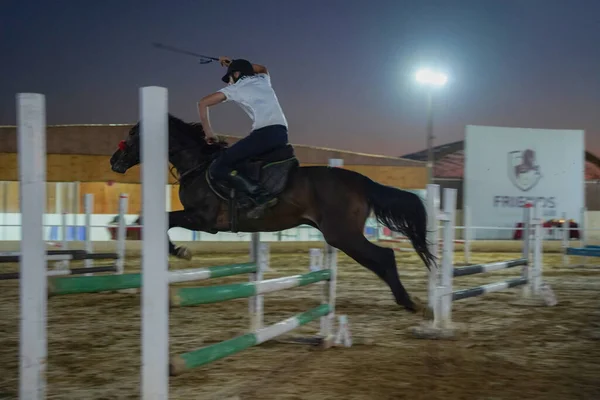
x=106 y=283
x=441 y=294
x=64 y=256
x=584 y=250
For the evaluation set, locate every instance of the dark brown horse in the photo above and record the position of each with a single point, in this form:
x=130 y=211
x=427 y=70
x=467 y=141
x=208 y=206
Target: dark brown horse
x=334 y=200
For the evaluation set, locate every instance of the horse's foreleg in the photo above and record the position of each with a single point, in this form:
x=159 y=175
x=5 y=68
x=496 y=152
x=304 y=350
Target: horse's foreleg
x=182 y=219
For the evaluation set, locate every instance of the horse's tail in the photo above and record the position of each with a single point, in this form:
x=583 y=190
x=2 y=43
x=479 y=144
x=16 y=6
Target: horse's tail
x=402 y=212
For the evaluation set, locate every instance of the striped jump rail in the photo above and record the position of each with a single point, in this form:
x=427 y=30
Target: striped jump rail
x=103 y=283
x=588 y=251
x=187 y=296
x=489 y=288
x=61 y=272
x=205 y=355
x=62 y=255
x=483 y=268
x=190 y=296
x=440 y=288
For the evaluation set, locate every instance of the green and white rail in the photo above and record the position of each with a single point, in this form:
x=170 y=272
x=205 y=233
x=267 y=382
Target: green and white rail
x=189 y=296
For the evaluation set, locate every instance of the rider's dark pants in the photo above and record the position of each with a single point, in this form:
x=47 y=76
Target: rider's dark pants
x=257 y=142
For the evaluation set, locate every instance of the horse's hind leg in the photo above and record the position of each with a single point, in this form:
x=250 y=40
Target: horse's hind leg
x=380 y=260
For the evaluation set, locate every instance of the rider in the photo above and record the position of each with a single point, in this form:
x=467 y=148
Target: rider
x=249 y=86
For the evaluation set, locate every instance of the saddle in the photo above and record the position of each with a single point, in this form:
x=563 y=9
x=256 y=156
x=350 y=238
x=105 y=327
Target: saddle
x=271 y=170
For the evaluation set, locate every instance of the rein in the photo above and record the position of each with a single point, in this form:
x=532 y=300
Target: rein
x=179 y=177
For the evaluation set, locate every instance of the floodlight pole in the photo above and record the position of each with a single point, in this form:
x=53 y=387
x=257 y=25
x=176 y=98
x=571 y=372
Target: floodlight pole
x=430 y=155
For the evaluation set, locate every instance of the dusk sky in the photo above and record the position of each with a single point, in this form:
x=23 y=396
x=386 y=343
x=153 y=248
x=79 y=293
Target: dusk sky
x=343 y=70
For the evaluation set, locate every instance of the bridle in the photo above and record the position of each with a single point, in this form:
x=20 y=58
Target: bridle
x=204 y=164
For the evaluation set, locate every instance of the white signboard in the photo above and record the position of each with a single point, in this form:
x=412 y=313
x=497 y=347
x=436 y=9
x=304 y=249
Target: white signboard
x=507 y=167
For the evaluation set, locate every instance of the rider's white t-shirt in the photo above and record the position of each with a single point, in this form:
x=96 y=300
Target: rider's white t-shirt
x=256 y=97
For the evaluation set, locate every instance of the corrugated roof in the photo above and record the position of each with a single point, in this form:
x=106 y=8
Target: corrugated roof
x=449 y=161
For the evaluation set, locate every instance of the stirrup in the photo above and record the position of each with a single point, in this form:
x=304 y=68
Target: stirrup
x=259 y=210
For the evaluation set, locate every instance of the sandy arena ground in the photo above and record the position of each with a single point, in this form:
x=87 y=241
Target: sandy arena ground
x=505 y=351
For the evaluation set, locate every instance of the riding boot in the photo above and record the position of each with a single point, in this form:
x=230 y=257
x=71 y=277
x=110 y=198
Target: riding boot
x=241 y=184
x=259 y=196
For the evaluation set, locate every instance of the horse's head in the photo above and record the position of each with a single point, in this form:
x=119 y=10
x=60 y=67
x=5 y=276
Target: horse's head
x=188 y=148
x=127 y=154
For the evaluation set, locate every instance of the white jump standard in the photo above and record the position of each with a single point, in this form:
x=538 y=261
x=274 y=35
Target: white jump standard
x=441 y=294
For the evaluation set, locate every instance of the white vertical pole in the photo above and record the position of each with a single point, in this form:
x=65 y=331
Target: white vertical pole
x=63 y=222
x=71 y=208
x=58 y=197
x=432 y=205
x=537 y=252
x=317 y=263
x=583 y=226
x=526 y=270
x=121 y=233
x=467 y=234
x=329 y=290
x=331 y=263
x=256 y=303
x=70 y=195
x=31 y=117
x=64 y=243
x=155 y=278
x=583 y=233
x=168 y=197
x=4 y=207
x=316 y=259
x=89 y=210
x=76 y=206
x=566 y=237
x=444 y=303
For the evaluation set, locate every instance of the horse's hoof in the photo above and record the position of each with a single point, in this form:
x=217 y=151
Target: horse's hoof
x=183 y=252
x=423 y=309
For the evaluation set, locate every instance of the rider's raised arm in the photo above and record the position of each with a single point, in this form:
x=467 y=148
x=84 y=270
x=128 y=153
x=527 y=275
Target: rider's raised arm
x=260 y=69
x=209 y=101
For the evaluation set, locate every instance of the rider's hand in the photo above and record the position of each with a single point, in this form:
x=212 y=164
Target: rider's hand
x=225 y=61
x=211 y=139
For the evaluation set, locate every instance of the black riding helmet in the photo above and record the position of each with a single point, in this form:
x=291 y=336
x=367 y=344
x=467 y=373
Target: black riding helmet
x=244 y=67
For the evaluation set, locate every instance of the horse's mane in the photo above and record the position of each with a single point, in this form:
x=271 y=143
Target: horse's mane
x=193 y=131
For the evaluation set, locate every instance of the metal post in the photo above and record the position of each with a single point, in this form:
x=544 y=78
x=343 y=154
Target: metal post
x=443 y=310
x=255 y=303
x=88 y=205
x=31 y=117
x=432 y=206
x=430 y=156
x=467 y=234
x=526 y=270
x=122 y=233
x=329 y=295
x=566 y=237
x=155 y=276
x=537 y=252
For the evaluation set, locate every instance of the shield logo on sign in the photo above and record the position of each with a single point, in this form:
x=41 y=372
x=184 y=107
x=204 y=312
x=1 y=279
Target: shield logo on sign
x=523 y=171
